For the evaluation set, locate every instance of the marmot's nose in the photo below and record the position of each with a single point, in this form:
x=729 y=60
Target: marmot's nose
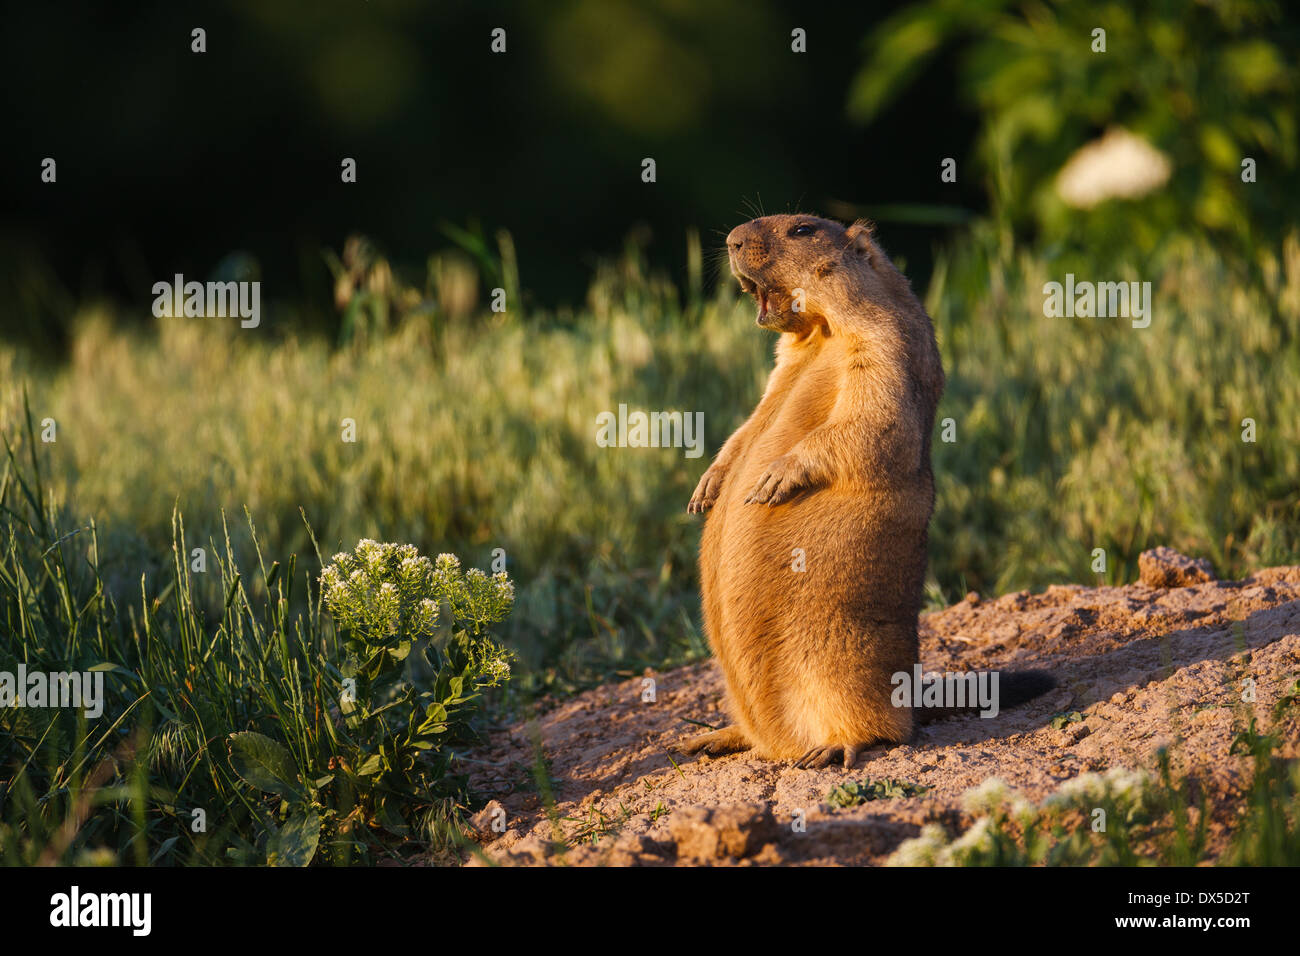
x=736 y=238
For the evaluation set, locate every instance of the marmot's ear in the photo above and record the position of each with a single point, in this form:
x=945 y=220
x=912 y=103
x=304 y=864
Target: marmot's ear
x=860 y=238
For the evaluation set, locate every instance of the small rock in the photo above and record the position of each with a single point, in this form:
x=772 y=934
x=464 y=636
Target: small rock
x=972 y=597
x=531 y=850
x=483 y=820
x=712 y=833
x=1059 y=591
x=770 y=855
x=1166 y=568
x=1016 y=601
x=632 y=849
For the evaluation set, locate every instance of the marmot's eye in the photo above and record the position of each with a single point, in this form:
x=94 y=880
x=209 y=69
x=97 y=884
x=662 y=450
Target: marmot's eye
x=803 y=230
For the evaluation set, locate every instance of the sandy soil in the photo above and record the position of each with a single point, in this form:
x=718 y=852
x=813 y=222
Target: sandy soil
x=1156 y=663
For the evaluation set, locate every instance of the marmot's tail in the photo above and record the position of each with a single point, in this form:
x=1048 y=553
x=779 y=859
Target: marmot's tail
x=1014 y=688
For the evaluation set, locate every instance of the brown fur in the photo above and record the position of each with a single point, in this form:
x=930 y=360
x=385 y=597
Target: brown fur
x=835 y=460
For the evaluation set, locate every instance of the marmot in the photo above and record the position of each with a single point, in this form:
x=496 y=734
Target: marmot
x=813 y=557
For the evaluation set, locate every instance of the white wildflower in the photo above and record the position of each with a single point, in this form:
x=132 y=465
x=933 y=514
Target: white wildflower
x=1119 y=165
x=923 y=850
x=988 y=796
x=975 y=841
x=1084 y=790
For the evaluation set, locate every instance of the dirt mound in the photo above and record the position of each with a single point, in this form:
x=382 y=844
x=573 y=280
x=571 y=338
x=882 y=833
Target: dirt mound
x=1143 y=667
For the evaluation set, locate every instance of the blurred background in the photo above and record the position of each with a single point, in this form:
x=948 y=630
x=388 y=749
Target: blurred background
x=173 y=161
x=1163 y=151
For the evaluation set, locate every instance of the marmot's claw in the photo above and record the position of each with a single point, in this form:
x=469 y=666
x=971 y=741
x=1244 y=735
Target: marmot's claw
x=784 y=479
x=706 y=492
x=820 y=757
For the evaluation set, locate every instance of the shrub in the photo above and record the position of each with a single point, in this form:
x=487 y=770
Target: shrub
x=417 y=657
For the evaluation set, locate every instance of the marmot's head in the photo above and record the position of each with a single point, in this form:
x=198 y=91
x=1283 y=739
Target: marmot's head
x=799 y=269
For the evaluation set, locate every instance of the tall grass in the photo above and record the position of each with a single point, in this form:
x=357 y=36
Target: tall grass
x=210 y=672
x=185 y=662
x=479 y=433
x=1075 y=434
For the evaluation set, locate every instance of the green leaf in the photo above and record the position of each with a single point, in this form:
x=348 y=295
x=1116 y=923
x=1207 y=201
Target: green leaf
x=260 y=761
x=852 y=793
x=110 y=666
x=162 y=850
x=431 y=727
x=391 y=819
x=369 y=766
x=1060 y=720
x=435 y=720
x=435 y=712
x=296 y=843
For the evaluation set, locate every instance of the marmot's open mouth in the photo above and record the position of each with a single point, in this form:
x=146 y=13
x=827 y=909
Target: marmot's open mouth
x=761 y=295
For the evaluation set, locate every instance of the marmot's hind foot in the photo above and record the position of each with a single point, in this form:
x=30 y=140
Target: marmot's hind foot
x=820 y=757
x=728 y=740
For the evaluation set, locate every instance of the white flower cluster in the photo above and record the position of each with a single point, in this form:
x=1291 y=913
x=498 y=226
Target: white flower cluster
x=932 y=848
x=1126 y=790
x=390 y=591
x=1119 y=165
x=928 y=849
x=994 y=794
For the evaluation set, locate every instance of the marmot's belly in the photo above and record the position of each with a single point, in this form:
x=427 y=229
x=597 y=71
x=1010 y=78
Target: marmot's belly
x=778 y=582
x=814 y=606
x=828 y=551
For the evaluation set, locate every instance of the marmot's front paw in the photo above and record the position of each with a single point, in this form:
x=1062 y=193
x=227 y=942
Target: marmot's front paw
x=706 y=492
x=784 y=479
